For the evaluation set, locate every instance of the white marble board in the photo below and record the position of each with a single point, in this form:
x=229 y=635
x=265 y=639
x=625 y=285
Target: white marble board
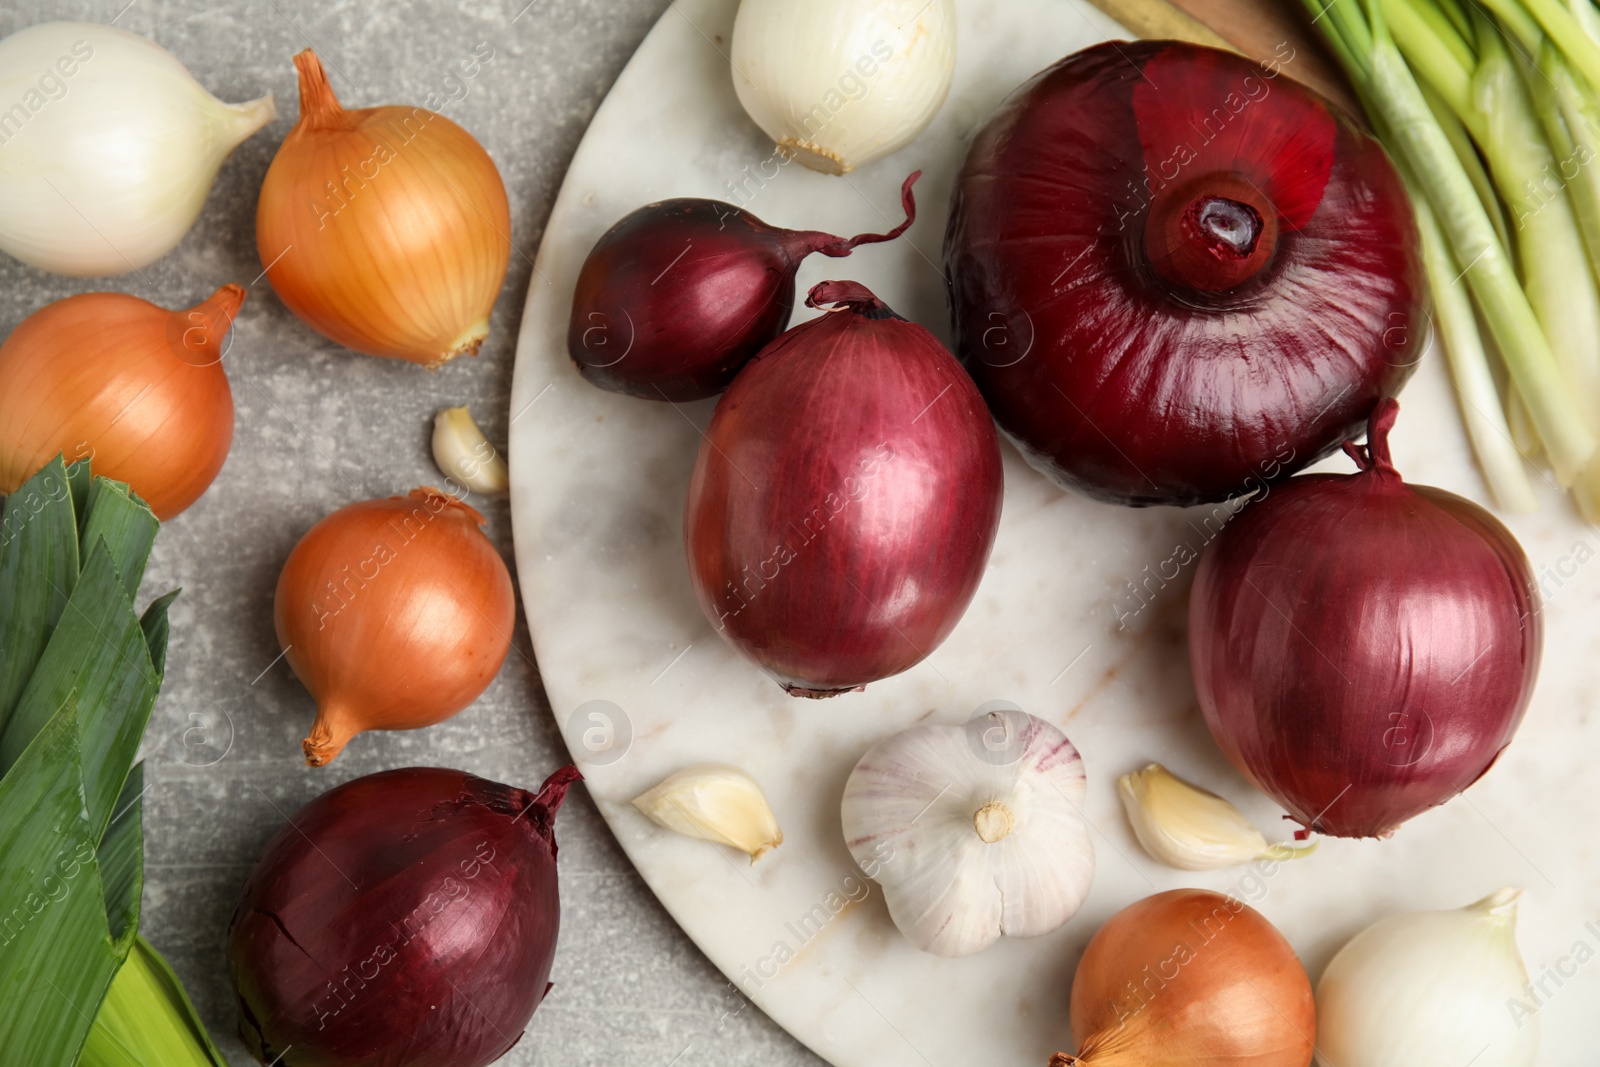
x=598 y=483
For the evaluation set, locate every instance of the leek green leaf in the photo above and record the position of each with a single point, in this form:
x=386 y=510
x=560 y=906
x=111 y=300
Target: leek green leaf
x=80 y=479
x=128 y=526
x=122 y=858
x=38 y=568
x=79 y=673
x=99 y=652
x=154 y=624
x=57 y=956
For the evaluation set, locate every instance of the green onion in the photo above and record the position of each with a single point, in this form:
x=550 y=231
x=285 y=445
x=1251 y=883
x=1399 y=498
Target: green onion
x=1447 y=95
x=1469 y=366
x=1554 y=264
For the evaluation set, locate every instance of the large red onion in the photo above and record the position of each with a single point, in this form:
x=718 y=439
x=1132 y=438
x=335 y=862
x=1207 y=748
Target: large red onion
x=680 y=294
x=1363 y=649
x=1170 y=270
x=845 y=498
x=403 y=919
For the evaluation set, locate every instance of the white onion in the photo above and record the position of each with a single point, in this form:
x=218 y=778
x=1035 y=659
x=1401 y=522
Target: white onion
x=1429 y=989
x=108 y=147
x=839 y=83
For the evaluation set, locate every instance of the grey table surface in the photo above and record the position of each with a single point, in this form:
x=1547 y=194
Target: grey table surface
x=318 y=427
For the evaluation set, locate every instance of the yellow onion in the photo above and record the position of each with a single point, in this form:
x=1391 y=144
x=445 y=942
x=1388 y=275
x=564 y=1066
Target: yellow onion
x=395 y=614
x=1193 y=978
x=137 y=388
x=385 y=229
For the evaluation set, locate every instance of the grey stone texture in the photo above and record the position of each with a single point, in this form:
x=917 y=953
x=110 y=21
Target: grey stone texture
x=318 y=427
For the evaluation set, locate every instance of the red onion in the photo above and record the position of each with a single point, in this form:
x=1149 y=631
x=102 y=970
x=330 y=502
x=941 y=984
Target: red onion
x=406 y=918
x=845 y=498
x=1363 y=648
x=1169 y=270
x=680 y=294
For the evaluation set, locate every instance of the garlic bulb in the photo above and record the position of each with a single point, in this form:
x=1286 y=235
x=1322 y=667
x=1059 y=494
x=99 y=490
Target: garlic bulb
x=973 y=831
x=715 y=803
x=1430 y=989
x=463 y=453
x=839 y=83
x=108 y=147
x=1186 y=827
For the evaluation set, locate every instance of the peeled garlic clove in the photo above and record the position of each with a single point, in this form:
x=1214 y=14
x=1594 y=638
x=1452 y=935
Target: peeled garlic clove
x=1186 y=827
x=108 y=147
x=463 y=453
x=973 y=831
x=839 y=83
x=1431 y=989
x=715 y=803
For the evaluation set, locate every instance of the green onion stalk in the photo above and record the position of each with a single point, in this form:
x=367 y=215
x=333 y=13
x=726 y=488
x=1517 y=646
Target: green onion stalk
x=1554 y=262
x=1492 y=112
x=1481 y=408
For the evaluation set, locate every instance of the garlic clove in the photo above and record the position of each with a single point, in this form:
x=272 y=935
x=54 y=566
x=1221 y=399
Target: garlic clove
x=463 y=453
x=714 y=803
x=1186 y=827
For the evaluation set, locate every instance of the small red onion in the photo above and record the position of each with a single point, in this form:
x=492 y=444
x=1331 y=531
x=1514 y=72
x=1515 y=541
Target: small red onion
x=406 y=918
x=1363 y=649
x=1170 y=269
x=845 y=498
x=680 y=294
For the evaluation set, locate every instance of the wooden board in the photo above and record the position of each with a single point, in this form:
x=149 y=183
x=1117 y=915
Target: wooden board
x=1273 y=32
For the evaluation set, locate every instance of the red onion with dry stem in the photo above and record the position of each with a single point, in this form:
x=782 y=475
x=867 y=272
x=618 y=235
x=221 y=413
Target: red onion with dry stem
x=845 y=498
x=407 y=918
x=1170 y=268
x=681 y=294
x=1363 y=648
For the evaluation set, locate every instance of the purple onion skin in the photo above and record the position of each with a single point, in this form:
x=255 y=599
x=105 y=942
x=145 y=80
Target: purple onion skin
x=681 y=294
x=845 y=499
x=1363 y=649
x=403 y=919
x=1143 y=379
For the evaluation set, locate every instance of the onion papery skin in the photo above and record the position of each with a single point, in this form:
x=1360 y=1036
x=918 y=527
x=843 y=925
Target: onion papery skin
x=1127 y=357
x=395 y=614
x=108 y=148
x=385 y=229
x=679 y=295
x=403 y=919
x=845 y=499
x=135 y=388
x=1362 y=648
x=1192 y=978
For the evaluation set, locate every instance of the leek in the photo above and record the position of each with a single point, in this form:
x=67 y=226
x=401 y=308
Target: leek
x=79 y=673
x=147 y=1019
